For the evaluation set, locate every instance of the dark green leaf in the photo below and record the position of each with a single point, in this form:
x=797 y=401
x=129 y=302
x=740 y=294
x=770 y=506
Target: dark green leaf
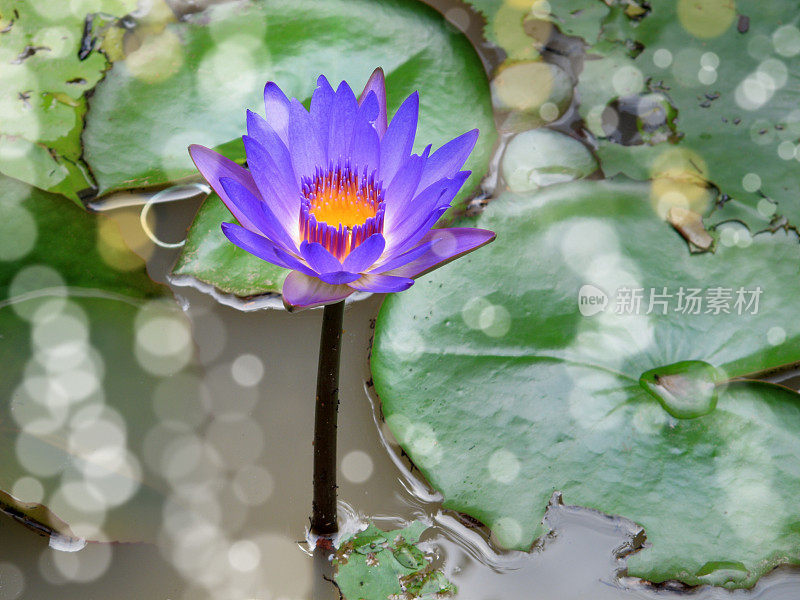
x=47 y=242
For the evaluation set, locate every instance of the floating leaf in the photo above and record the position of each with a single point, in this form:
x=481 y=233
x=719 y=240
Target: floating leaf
x=520 y=27
x=532 y=337
x=504 y=26
x=139 y=125
x=143 y=116
x=528 y=94
x=375 y=565
x=543 y=157
x=728 y=75
x=47 y=67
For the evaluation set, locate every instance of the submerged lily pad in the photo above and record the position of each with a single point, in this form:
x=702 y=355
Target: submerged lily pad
x=138 y=129
x=80 y=371
x=47 y=67
x=47 y=242
x=376 y=564
x=86 y=338
x=540 y=336
x=686 y=390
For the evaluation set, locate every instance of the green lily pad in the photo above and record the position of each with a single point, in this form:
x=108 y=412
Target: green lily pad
x=143 y=117
x=505 y=26
x=46 y=72
x=539 y=337
x=529 y=94
x=542 y=157
x=138 y=130
x=375 y=565
x=728 y=73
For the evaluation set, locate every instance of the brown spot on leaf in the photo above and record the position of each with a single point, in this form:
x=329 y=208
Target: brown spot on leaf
x=690 y=225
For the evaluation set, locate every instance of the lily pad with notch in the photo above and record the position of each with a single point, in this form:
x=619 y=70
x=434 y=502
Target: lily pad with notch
x=495 y=363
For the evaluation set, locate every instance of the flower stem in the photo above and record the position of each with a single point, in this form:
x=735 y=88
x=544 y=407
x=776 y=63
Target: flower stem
x=323 y=514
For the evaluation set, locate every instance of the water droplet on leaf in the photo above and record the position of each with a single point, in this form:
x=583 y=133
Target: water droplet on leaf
x=686 y=390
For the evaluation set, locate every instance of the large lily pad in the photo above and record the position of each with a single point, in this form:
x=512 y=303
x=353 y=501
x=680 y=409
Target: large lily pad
x=728 y=72
x=47 y=67
x=492 y=364
x=143 y=117
x=139 y=126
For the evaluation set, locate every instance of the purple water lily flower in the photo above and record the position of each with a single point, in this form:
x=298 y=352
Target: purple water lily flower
x=335 y=195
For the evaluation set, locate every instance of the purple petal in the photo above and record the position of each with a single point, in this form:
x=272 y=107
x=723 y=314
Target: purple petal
x=213 y=167
x=455 y=184
x=405 y=258
x=318 y=258
x=277 y=107
x=270 y=141
x=445 y=245
x=402 y=188
x=320 y=109
x=262 y=248
x=306 y=151
x=381 y=284
x=365 y=149
x=342 y=121
x=448 y=160
x=411 y=216
x=368 y=109
x=339 y=277
x=258 y=213
x=278 y=189
x=365 y=255
x=302 y=291
x=377 y=84
x=401 y=246
x=396 y=145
